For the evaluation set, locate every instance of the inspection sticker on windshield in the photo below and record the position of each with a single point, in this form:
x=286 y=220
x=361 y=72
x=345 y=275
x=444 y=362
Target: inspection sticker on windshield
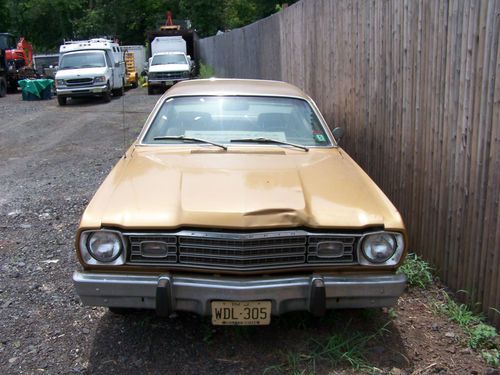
x=241 y=313
x=320 y=137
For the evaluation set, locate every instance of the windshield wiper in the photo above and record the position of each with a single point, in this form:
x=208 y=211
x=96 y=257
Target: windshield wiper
x=268 y=140
x=191 y=139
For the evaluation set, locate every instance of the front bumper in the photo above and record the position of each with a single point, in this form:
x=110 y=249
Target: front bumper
x=166 y=82
x=82 y=91
x=167 y=293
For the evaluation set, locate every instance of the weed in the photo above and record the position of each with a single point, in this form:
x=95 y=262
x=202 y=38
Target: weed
x=492 y=357
x=206 y=71
x=346 y=347
x=142 y=81
x=479 y=334
x=208 y=332
x=417 y=271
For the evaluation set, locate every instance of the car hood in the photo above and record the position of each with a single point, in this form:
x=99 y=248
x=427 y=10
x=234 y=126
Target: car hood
x=80 y=73
x=168 y=68
x=157 y=188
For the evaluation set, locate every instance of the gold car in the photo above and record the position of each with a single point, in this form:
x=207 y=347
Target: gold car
x=236 y=201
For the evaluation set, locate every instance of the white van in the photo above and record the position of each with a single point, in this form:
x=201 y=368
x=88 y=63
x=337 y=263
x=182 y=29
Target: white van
x=93 y=67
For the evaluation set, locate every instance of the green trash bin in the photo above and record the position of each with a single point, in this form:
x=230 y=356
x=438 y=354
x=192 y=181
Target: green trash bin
x=36 y=89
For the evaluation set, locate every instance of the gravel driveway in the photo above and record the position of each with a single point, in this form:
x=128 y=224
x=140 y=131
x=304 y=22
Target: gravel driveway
x=52 y=159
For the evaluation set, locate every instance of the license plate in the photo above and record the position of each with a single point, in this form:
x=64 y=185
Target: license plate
x=168 y=83
x=241 y=313
x=96 y=90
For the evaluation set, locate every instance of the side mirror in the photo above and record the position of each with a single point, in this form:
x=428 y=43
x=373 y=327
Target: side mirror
x=117 y=64
x=338 y=133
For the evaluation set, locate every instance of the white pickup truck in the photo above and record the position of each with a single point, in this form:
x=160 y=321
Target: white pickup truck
x=169 y=63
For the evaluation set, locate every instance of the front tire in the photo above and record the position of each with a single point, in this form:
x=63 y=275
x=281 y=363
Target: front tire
x=151 y=90
x=3 y=87
x=61 y=100
x=120 y=91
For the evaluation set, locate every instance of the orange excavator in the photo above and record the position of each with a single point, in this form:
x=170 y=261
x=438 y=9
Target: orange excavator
x=19 y=59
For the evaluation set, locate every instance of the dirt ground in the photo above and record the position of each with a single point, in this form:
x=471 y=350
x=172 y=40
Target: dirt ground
x=52 y=159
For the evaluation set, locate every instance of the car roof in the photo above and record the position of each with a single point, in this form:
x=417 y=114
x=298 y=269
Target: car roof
x=227 y=86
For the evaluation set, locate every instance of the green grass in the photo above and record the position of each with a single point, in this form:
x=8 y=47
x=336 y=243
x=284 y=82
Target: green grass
x=206 y=71
x=480 y=335
x=344 y=348
x=417 y=270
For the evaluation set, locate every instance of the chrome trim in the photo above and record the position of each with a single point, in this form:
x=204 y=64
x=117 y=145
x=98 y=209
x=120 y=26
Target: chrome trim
x=194 y=293
x=301 y=254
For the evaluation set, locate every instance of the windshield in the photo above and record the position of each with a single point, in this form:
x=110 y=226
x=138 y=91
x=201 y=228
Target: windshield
x=46 y=61
x=169 y=59
x=225 y=119
x=83 y=60
x=7 y=41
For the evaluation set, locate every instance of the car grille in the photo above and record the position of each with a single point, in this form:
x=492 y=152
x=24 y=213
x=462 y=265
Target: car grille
x=167 y=75
x=240 y=251
x=79 y=82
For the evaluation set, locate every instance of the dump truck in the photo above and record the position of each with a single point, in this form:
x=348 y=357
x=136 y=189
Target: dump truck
x=174 y=38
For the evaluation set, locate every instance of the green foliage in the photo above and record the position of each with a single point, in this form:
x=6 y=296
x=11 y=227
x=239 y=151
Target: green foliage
x=346 y=347
x=46 y=23
x=492 y=357
x=418 y=271
x=238 y=13
x=479 y=334
x=206 y=71
x=207 y=16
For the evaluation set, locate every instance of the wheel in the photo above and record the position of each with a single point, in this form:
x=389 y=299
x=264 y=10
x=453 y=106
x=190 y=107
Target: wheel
x=61 y=100
x=3 y=87
x=119 y=91
x=151 y=90
x=106 y=96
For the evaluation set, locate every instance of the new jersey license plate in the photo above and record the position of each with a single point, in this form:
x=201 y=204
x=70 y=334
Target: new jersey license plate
x=241 y=312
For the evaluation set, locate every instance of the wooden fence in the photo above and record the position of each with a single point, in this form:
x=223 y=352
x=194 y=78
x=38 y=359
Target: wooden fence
x=416 y=84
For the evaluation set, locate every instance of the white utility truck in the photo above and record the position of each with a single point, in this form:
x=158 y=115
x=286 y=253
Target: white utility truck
x=92 y=67
x=169 y=63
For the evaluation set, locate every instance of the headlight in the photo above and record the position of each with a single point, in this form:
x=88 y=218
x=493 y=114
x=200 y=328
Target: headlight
x=102 y=246
x=382 y=248
x=151 y=75
x=185 y=74
x=60 y=82
x=100 y=79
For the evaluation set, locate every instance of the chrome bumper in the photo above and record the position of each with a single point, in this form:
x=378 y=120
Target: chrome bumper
x=87 y=90
x=164 y=82
x=168 y=293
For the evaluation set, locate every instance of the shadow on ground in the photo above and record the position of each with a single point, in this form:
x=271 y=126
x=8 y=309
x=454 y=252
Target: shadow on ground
x=141 y=343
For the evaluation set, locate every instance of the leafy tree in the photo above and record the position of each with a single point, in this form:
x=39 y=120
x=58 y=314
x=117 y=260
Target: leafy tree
x=207 y=16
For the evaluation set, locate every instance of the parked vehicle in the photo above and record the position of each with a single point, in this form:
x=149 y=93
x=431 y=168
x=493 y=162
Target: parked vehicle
x=130 y=72
x=169 y=63
x=236 y=201
x=173 y=36
x=139 y=57
x=92 y=67
x=19 y=59
x=3 y=73
x=46 y=65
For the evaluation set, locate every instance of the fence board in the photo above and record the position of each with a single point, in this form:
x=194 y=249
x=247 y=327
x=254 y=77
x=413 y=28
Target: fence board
x=416 y=83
